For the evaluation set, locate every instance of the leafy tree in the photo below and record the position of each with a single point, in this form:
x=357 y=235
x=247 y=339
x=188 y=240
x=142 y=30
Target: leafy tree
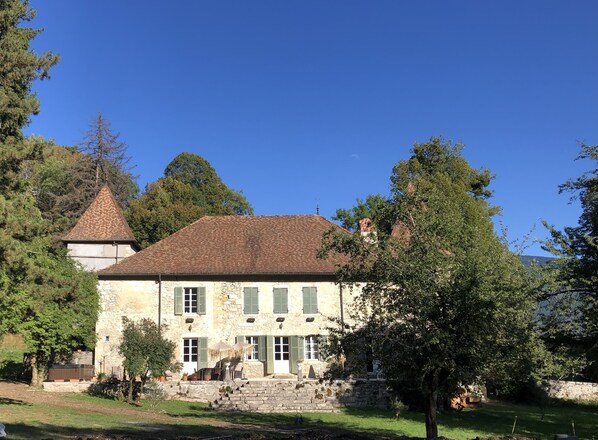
x=209 y=191
x=574 y=297
x=63 y=184
x=109 y=160
x=190 y=189
x=443 y=300
x=63 y=181
x=42 y=295
x=145 y=351
x=369 y=208
x=56 y=312
x=166 y=206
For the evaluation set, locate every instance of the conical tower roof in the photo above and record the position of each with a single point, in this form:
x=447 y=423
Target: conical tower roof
x=102 y=221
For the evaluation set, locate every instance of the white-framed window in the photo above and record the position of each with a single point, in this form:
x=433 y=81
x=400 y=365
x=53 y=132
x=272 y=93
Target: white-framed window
x=190 y=300
x=252 y=355
x=190 y=350
x=312 y=351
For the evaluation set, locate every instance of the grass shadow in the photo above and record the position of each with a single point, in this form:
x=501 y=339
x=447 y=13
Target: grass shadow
x=9 y=401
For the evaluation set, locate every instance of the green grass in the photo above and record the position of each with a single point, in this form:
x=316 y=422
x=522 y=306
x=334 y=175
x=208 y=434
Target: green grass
x=12 y=349
x=177 y=418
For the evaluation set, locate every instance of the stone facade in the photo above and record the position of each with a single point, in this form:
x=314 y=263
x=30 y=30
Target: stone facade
x=561 y=389
x=224 y=318
x=97 y=256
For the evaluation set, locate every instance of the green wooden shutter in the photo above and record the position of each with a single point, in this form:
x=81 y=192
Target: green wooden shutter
x=310 y=300
x=276 y=300
x=285 y=301
x=239 y=339
x=281 y=300
x=250 y=301
x=201 y=300
x=202 y=359
x=301 y=348
x=297 y=352
x=262 y=349
x=306 y=300
x=178 y=300
x=269 y=354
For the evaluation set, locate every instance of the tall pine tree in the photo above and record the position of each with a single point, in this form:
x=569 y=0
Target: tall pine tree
x=109 y=161
x=573 y=323
x=43 y=296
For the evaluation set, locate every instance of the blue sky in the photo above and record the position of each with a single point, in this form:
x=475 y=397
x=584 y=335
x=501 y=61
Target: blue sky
x=310 y=103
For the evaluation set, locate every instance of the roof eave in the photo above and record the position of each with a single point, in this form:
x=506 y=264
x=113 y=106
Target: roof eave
x=216 y=276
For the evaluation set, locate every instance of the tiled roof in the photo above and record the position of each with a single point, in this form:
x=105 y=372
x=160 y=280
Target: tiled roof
x=102 y=221
x=236 y=245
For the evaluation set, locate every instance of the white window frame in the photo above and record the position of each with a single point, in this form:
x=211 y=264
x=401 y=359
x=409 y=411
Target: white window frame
x=311 y=349
x=190 y=300
x=254 y=355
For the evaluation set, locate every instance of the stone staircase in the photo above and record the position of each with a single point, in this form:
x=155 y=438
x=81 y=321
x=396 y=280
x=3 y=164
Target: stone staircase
x=276 y=396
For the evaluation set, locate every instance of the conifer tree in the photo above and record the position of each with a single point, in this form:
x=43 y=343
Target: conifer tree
x=573 y=321
x=43 y=296
x=109 y=161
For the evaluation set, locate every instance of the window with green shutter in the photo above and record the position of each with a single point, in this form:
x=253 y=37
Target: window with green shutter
x=281 y=300
x=190 y=300
x=250 y=301
x=310 y=300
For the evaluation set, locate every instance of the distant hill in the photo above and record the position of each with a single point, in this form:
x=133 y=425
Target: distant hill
x=527 y=260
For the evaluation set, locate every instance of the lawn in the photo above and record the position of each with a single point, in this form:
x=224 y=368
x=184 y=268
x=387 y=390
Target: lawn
x=12 y=348
x=68 y=415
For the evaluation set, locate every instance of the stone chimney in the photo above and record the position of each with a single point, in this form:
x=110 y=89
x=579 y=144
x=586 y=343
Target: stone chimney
x=366 y=227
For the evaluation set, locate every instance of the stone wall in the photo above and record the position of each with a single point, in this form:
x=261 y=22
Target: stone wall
x=66 y=387
x=561 y=389
x=224 y=318
x=267 y=395
x=283 y=395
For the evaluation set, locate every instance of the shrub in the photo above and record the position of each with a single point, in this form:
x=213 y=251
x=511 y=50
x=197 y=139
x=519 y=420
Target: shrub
x=154 y=394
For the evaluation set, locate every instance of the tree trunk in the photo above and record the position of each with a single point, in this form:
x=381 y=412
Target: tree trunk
x=38 y=372
x=131 y=384
x=431 y=423
x=431 y=403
